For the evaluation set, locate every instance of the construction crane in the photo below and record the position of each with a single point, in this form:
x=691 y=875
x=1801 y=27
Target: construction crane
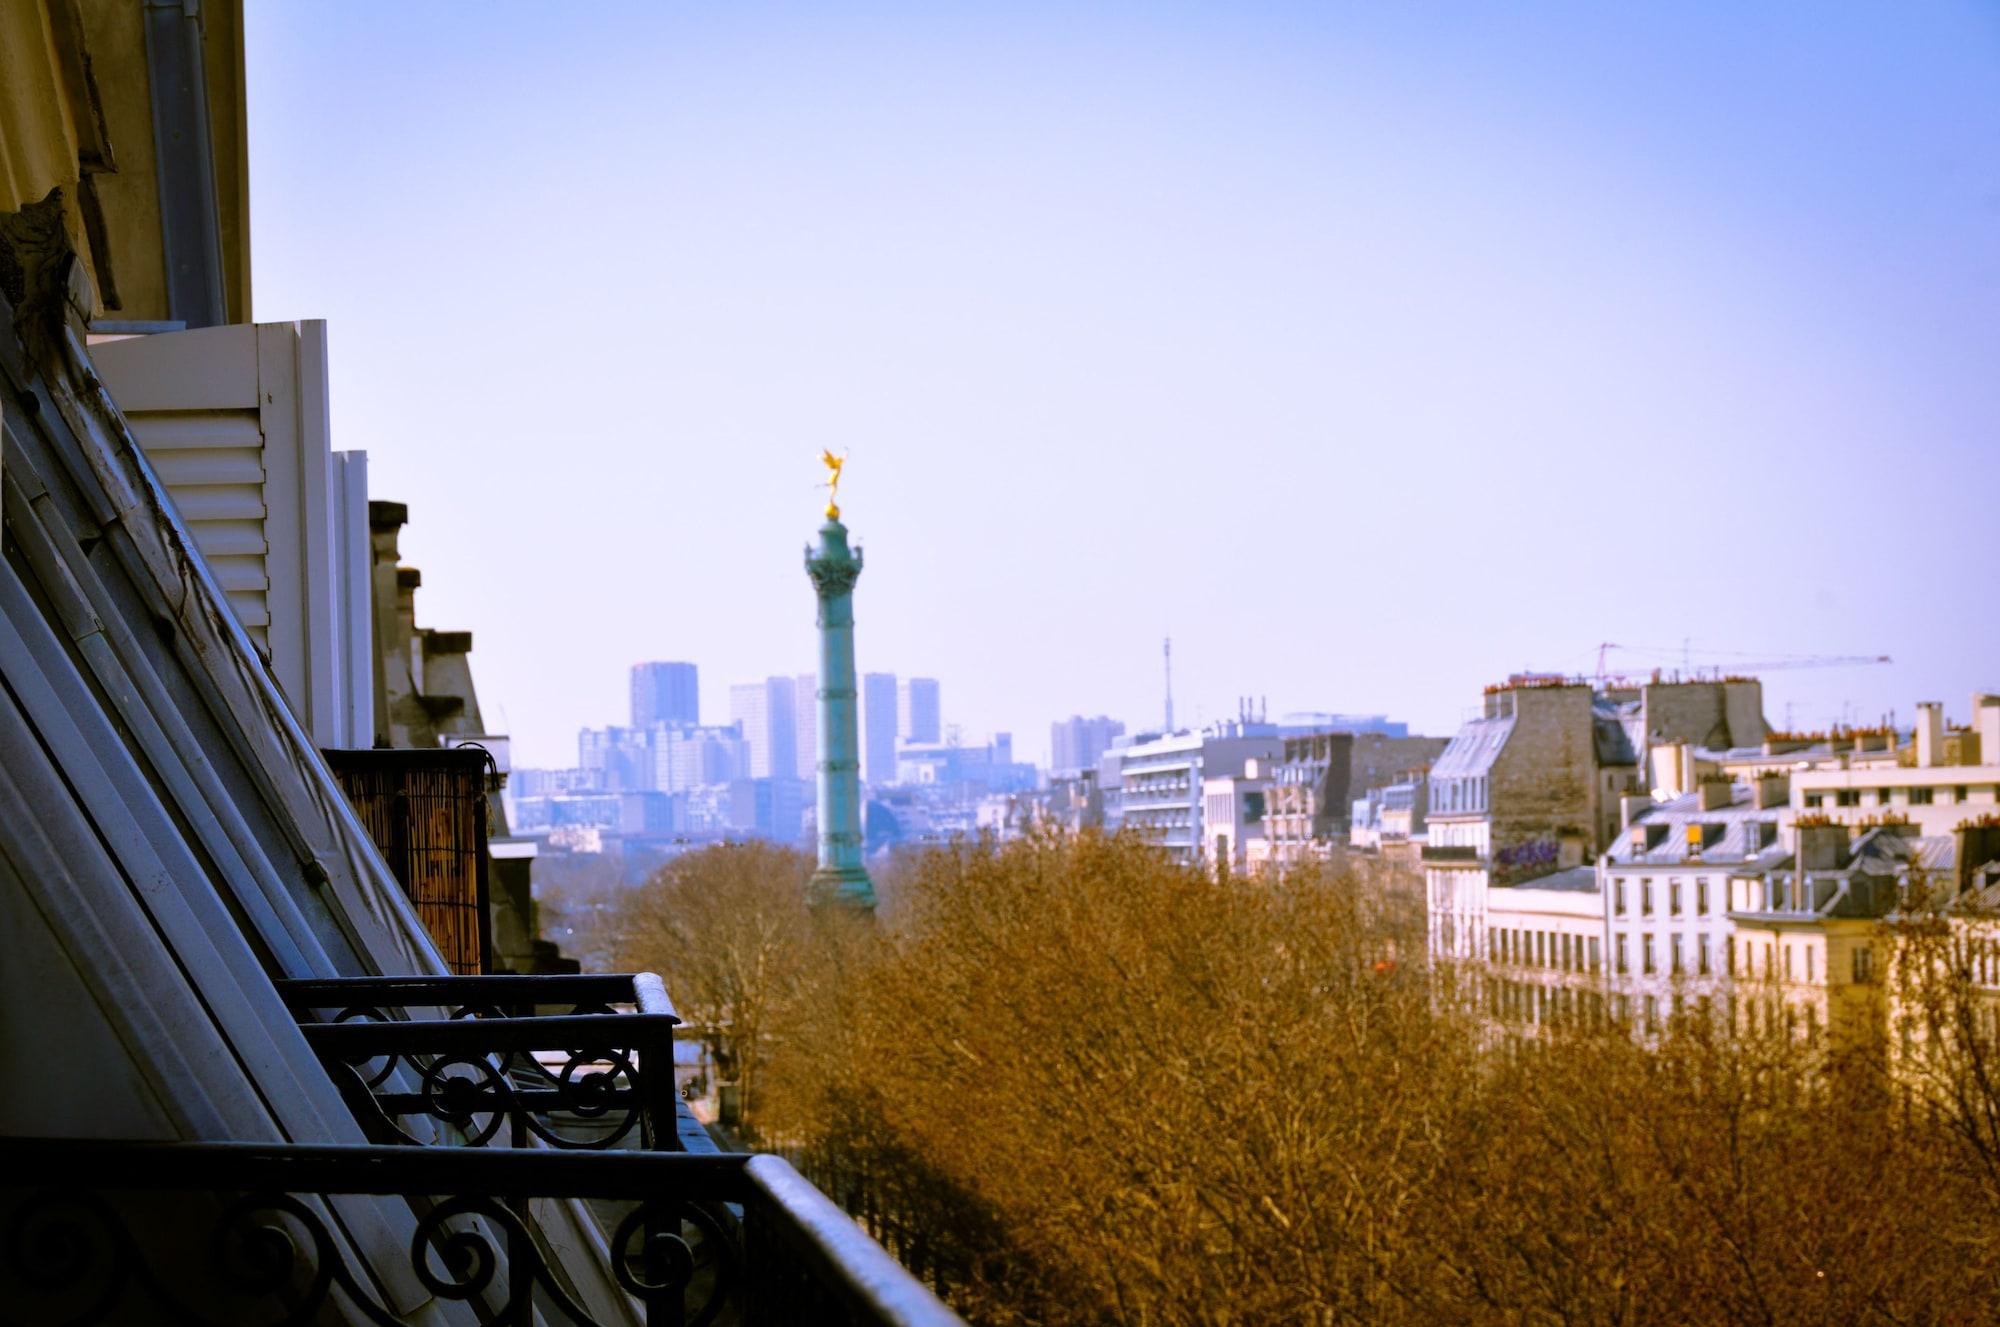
x=1605 y=676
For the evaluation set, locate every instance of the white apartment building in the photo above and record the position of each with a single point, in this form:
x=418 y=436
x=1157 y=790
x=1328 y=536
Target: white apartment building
x=1161 y=780
x=1233 y=815
x=1666 y=883
x=1943 y=778
x=1545 y=945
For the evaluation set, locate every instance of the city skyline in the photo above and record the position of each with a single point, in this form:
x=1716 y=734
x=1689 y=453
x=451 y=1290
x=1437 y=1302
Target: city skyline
x=1427 y=290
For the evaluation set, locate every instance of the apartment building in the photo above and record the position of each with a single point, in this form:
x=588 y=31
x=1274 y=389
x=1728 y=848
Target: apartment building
x=1944 y=776
x=1534 y=784
x=1666 y=883
x=1234 y=810
x=1161 y=780
x=1545 y=950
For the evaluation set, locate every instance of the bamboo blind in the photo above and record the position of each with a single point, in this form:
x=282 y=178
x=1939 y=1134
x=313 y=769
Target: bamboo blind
x=426 y=810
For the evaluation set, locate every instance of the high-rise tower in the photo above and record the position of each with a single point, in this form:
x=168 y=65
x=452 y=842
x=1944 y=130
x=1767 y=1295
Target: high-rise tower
x=834 y=567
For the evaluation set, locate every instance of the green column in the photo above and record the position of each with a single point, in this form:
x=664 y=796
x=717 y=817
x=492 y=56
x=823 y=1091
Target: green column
x=841 y=878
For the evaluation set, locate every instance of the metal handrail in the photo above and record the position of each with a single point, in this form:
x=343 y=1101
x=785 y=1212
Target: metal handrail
x=803 y=1259
x=477 y=1070
x=643 y=989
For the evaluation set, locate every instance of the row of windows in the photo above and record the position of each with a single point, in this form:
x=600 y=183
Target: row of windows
x=1459 y=795
x=1674 y=898
x=1677 y=955
x=1742 y=957
x=1883 y=796
x=1558 y=951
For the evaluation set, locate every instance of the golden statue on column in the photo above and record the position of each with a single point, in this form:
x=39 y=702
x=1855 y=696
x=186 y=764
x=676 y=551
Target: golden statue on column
x=832 y=464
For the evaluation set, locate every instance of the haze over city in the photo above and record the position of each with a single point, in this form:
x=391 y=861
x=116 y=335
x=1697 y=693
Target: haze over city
x=1417 y=739
x=1374 y=355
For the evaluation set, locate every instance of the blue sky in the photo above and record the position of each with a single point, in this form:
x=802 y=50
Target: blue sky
x=1372 y=351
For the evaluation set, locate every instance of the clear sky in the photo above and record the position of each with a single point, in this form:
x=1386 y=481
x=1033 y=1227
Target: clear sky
x=1373 y=351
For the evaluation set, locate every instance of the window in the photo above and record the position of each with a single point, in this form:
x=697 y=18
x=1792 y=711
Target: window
x=1815 y=799
x=1729 y=957
x=1767 y=959
x=1864 y=963
x=1618 y=897
x=1882 y=797
x=1847 y=797
x=1960 y=793
x=1675 y=944
x=1646 y=897
x=1596 y=955
x=1701 y=896
x=1646 y=943
x=1701 y=958
x=1787 y=950
x=1809 y=962
x=1921 y=796
x=1624 y=955
x=1674 y=898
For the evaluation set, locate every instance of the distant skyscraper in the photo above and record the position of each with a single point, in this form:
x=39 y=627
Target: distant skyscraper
x=805 y=724
x=768 y=712
x=878 y=728
x=1075 y=743
x=919 y=717
x=665 y=693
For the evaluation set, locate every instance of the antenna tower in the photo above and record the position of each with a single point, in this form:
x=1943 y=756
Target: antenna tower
x=1167 y=654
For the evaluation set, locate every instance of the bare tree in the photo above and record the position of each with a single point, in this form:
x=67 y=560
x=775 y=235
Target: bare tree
x=729 y=930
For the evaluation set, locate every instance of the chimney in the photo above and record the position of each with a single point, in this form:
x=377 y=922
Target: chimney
x=1630 y=807
x=1823 y=845
x=1930 y=735
x=1716 y=792
x=1977 y=843
x=1668 y=765
x=1773 y=788
x=1986 y=721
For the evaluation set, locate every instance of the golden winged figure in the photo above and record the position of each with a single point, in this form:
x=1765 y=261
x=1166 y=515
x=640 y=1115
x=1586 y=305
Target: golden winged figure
x=832 y=464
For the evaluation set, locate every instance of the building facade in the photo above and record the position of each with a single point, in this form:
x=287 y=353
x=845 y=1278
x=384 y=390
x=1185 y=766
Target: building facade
x=1536 y=784
x=879 y=728
x=919 y=711
x=1667 y=881
x=1233 y=816
x=1161 y=780
x=1943 y=777
x=805 y=723
x=766 y=712
x=665 y=693
x=1076 y=743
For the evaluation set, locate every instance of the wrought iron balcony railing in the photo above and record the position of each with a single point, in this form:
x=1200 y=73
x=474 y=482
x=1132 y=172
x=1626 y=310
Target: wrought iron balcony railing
x=85 y=1238
x=588 y=1077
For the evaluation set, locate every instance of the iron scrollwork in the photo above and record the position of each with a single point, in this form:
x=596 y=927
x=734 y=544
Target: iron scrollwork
x=72 y=1257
